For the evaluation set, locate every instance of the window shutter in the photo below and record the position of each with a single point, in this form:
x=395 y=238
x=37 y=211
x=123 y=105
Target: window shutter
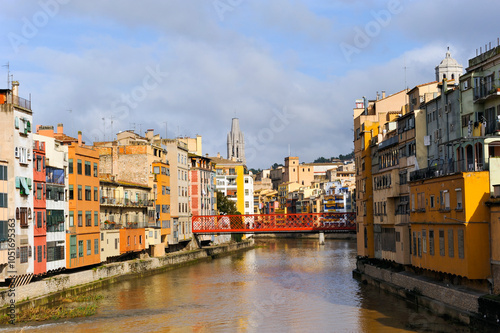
x=16 y=123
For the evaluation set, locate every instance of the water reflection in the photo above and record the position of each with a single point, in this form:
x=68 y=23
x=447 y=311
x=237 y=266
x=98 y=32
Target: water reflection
x=287 y=286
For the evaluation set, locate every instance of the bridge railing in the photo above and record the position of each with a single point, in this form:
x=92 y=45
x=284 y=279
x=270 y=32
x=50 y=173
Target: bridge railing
x=306 y=222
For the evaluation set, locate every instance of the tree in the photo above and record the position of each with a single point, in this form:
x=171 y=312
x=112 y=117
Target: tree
x=276 y=166
x=256 y=171
x=321 y=160
x=225 y=206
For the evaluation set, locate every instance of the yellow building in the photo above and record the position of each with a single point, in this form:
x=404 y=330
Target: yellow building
x=449 y=223
x=373 y=124
x=233 y=180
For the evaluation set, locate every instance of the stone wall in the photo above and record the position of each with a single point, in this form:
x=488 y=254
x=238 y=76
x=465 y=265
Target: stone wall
x=465 y=301
x=63 y=282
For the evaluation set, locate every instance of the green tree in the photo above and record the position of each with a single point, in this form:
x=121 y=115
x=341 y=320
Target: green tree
x=225 y=206
x=321 y=160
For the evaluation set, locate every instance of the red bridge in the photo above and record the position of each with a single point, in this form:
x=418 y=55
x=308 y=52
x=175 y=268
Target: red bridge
x=260 y=223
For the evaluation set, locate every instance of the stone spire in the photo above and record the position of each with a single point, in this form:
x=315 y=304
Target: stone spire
x=236 y=142
x=449 y=69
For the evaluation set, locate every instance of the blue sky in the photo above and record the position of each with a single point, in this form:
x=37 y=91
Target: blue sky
x=290 y=70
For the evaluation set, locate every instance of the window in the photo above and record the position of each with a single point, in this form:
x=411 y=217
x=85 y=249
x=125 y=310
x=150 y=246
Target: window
x=451 y=244
x=3 y=172
x=95 y=169
x=39 y=221
x=88 y=171
x=441 y=243
x=88 y=218
x=424 y=241
x=419 y=245
x=96 y=218
x=71 y=219
x=432 y=201
x=80 y=248
x=96 y=194
x=140 y=239
x=71 y=193
x=72 y=249
x=414 y=243
x=24 y=254
x=79 y=167
x=96 y=246
x=88 y=193
x=459 y=198
x=39 y=253
x=70 y=166
x=79 y=192
x=445 y=200
x=116 y=243
x=431 y=242
x=128 y=240
x=89 y=247
x=460 y=235
x=80 y=219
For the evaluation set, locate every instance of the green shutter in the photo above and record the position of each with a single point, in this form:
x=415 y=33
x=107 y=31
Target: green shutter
x=16 y=122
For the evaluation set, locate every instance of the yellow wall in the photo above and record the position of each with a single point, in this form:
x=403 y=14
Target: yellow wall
x=472 y=219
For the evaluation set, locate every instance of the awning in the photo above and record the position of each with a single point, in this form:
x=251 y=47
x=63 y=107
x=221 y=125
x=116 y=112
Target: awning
x=24 y=186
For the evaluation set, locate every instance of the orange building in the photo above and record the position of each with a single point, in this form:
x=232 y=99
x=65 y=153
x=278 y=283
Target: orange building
x=162 y=184
x=450 y=223
x=82 y=230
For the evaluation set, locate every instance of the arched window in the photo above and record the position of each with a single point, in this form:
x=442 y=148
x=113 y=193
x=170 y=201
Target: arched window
x=469 y=158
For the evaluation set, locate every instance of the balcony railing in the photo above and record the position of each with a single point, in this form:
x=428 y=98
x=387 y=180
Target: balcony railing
x=113 y=201
x=24 y=103
x=444 y=169
x=125 y=225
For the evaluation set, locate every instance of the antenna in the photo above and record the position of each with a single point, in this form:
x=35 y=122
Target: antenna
x=112 y=135
x=406 y=85
x=289 y=153
x=104 y=128
x=166 y=137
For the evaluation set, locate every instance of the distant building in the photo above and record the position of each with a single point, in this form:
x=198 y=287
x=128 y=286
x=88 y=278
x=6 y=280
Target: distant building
x=236 y=143
x=449 y=69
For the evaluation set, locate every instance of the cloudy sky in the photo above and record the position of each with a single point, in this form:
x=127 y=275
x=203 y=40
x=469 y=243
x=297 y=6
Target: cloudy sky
x=290 y=70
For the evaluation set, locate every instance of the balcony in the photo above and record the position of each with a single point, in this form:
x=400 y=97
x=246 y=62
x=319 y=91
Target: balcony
x=389 y=142
x=125 y=225
x=112 y=201
x=446 y=169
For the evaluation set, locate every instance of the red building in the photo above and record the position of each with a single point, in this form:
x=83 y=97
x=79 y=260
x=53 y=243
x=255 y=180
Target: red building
x=39 y=208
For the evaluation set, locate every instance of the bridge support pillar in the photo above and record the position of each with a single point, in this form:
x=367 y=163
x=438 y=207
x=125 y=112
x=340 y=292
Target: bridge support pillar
x=321 y=238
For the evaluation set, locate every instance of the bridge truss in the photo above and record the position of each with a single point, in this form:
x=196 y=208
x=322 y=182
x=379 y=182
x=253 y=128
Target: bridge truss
x=271 y=223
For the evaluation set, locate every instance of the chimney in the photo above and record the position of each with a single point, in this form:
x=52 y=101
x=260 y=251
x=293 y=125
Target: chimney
x=79 y=138
x=218 y=155
x=60 y=128
x=383 y=94
x=15 y=88
x=378 y=96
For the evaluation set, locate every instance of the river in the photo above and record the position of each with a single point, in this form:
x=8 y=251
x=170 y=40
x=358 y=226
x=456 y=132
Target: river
x=292 y=285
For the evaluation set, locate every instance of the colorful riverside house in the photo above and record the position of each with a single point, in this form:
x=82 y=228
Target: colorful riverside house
x=450 y=222
x=16 y=195
x=202 y=185
x=233 y=180
x=56 y=189
x=161 y=174
x=82 y=231
x=124 y=217
x=370 y=118
x=130 y=159
x=177 y=154
x=39 y=209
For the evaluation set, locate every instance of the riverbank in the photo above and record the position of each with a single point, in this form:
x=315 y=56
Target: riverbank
x=460 y=304
x=55 y=289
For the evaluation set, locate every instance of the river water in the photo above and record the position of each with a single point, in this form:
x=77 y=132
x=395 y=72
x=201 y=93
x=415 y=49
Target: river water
x=292 y=285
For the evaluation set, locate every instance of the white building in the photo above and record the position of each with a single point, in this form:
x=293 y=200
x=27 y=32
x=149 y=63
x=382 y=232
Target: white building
x=16 y=142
